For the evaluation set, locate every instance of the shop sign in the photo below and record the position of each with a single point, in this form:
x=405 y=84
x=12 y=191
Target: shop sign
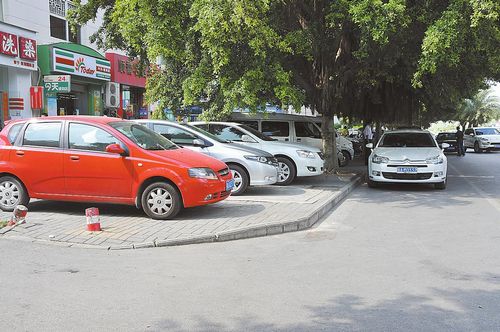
x=81 y=65
x=57 y=83
x=126 y=71
x=36 y=97
x=17 y=51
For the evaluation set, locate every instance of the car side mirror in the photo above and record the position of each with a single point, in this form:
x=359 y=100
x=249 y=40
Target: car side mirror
x=369 y=145
x=247 y=139
x=199 y=143
x=116 y=148
x=444 y=146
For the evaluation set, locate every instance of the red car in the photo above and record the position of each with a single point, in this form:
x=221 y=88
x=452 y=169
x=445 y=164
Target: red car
x=108 y=160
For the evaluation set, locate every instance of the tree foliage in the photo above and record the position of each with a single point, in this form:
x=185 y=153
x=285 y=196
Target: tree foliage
x=394 y=61
x=478 y=110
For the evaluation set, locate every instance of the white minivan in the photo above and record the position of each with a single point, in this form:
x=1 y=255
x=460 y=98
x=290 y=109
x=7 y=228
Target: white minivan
x=292 y=128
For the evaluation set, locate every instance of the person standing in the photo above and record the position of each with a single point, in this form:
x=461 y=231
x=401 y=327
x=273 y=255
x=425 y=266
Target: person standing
x=460 y=142
x=368 y=138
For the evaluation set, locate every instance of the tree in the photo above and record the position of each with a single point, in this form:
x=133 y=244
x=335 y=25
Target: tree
x=478 y=110
x=395 y=61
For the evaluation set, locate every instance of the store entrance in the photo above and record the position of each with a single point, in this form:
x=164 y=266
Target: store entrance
x=74 y=103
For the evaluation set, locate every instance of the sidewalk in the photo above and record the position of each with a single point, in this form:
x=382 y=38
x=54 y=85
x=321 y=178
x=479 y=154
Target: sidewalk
x=261 y=211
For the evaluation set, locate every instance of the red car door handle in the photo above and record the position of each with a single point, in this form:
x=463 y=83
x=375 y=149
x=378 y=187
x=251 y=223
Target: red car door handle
x=20 y=153
x=74 y=158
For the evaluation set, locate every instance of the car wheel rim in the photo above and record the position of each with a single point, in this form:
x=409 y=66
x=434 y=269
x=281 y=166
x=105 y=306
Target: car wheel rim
x=9 y=194
x=160 y=201
x=284 y=172
x=238 y=180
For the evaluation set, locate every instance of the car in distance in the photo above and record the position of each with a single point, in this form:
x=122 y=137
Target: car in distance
x=482 y=139
x=249 y=166
x=449 y=138
x=294 y=160
x=407 y=156
x=106 y=160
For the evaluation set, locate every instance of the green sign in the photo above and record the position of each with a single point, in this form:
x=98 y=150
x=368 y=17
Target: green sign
x=57 y=83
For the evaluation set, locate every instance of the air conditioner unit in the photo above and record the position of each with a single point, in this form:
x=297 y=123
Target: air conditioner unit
x=112 y=95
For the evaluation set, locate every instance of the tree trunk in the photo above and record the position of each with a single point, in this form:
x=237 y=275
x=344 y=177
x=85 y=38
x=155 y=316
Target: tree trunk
x=329 y=144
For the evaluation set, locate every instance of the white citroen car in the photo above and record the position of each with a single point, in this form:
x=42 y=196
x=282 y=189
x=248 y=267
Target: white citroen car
x=293 y=159
x=407 y=156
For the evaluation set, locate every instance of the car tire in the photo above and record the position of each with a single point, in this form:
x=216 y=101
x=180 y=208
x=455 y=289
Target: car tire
x=476 y=148
x=347 y=157
x=440 y=185
x=287 y=170
x=241 y=180
x=12 y=194
x=168 y=201
x=371 y=183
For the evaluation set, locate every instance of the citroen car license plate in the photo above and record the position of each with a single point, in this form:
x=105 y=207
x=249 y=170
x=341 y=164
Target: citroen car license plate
x=229 y=185
x=407 y=170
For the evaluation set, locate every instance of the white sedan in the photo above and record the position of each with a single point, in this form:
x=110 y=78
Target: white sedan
x=407 y=156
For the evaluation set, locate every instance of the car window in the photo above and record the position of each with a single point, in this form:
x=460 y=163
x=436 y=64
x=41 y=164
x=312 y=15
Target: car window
x=176 y=135
x=88 y=137
x=307 y=129
x=407 y=140
x=45 y=134
x=143 y=136
x=468 y=131
x=203 y=126
x=487 y=131
x=205 y=133
x=14 y=131
x=275 y=128
x=251 y=124
x=446 y=136
x=226 y=132
x=257 y=133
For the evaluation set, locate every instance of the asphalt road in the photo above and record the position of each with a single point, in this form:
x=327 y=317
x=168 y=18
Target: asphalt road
x=394 y=258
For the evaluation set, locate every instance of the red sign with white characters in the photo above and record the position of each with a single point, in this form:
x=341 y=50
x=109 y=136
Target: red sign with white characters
x=36 y=97
x=27 y=48
x=8 y=44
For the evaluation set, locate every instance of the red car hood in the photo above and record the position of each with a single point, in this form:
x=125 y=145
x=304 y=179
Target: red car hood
x=190 y=158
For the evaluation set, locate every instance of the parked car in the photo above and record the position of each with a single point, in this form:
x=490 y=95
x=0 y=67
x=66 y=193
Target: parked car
x=292 y=128
x=450 y=138
x=249 y=166
x=482 y=139
x=407 y=156
x=108 y=160
x=293 y=159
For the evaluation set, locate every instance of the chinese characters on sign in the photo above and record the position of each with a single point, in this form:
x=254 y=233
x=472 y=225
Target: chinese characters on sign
x=20 y=51
x=8 y=44
x=129 y=67
x=57 y=83
x=28 y=48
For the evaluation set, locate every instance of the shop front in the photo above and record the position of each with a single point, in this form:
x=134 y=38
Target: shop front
x=18 y=68
x=127 y=73
x=74 y=77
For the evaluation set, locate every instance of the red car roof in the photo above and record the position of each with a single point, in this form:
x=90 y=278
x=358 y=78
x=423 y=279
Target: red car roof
x=83 y=118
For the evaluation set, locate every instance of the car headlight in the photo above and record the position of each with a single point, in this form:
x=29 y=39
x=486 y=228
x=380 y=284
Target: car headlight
x=306 y=154
x=435 y=160
x=379 y=159
x=265 y=160
x=202 y=173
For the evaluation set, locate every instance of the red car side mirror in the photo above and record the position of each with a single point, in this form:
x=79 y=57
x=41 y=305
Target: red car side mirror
x=115 y=148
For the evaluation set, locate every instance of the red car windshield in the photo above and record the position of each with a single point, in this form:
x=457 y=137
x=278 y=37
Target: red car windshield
x=143 y=137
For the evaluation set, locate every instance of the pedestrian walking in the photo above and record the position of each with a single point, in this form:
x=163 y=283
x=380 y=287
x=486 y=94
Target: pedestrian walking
x=460 y=142
x=367 y=138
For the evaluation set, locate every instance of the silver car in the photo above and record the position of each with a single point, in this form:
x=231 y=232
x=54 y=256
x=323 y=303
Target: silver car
x=249 y=166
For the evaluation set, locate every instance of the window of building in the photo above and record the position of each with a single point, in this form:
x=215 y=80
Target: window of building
x=57 y=27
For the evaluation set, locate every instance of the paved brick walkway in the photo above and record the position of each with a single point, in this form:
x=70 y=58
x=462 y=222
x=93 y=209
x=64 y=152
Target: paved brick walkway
x=126 y=227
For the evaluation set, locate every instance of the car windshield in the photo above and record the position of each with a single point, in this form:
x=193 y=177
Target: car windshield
x=206 y=133
x=487 y=131
x=447 y=136
x=257 y=133
x=407 y=140
x=143 y=137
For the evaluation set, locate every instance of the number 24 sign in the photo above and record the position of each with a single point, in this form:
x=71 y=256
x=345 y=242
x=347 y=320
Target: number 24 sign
x=57 y=83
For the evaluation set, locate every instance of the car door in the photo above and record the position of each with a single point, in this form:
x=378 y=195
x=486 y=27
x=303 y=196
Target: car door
x=278 y=129
x=90 y=170
x=469 y=138
x=179 y=136
x=37 y=158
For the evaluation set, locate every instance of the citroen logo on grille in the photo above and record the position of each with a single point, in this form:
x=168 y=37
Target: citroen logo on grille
x=407 y=160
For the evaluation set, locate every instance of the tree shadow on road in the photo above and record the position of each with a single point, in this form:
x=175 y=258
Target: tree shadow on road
x=443 y=310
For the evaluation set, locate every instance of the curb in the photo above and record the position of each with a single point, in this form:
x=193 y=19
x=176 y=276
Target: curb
x=261 y=230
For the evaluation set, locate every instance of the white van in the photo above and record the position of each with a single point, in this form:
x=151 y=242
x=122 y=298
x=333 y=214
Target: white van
x=292 y=128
